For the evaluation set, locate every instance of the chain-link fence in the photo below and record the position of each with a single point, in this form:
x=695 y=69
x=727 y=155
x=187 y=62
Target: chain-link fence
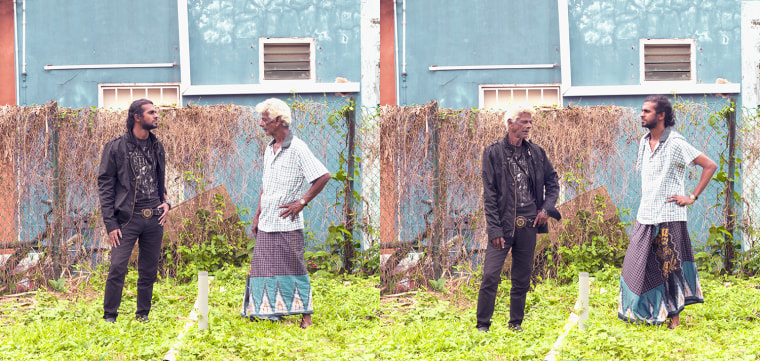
x=49 y=156
x=406 y=180
x=431 y=186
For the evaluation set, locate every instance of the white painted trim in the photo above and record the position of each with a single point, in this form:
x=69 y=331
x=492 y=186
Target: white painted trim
x=109 y=66
x=692 y=58
x=312 y=57
x=184 y=46
x=491 y=67
x=15 y=51
x=280 y=87
x=564 y=47
x=650 y=88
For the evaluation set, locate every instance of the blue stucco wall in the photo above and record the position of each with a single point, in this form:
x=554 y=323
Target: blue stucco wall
x=604 y=37
x=489 y=32
x=62 y=32
x=224 y=37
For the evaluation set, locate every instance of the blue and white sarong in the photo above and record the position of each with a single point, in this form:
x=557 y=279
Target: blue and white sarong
x=278 y=282
x=659 y=275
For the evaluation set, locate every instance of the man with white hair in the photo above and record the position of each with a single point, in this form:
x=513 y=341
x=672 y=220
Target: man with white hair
x=278 y=282
x=520 y=189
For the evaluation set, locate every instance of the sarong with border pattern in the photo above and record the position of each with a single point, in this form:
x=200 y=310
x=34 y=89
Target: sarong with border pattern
x=278 y=283
x=659 y=275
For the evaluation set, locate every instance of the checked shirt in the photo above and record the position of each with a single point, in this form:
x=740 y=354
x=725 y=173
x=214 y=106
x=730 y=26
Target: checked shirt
x=663 y=173
x=285 y=177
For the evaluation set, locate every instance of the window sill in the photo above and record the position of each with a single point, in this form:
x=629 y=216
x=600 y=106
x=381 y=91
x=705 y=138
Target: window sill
x=285 y=87
x=649 y=88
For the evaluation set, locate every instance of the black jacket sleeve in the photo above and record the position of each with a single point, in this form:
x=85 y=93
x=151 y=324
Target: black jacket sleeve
x=491 y=197
x=107 y=178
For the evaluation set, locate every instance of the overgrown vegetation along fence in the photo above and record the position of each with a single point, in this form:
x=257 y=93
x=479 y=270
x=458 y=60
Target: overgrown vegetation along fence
x=404 y=178
x=52 y=153
x=428 y=153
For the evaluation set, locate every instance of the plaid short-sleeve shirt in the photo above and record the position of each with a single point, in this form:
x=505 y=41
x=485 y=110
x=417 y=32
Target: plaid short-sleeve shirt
x=286 y=174
x=663 y=173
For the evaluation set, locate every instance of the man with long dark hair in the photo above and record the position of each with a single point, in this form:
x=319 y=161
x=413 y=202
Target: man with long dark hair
x=659 y=275
x=134 y=205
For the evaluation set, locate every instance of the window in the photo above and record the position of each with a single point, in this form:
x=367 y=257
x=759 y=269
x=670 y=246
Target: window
x=667 y=60
x=501 y=96
x=120 y=96
x=286 y=59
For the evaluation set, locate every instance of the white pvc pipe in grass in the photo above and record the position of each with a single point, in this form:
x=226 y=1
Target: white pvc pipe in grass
x=202 y=300
x=583 y=286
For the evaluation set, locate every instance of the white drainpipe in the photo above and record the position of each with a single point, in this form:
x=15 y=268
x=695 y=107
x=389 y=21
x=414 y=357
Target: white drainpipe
x=403 y=37
x=395 y=46
x=15 y=49
x=23 y=39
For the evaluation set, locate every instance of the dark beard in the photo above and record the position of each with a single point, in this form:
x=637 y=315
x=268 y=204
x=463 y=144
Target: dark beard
x=649 y=126
x=148 y=126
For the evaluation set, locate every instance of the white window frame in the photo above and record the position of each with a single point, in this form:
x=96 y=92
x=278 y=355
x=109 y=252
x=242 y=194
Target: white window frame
x=312 y=57
x=692 y=60
x=133 y=86
x=483 y=87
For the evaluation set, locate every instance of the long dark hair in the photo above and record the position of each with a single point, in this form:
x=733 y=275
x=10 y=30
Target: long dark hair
x=134 y=109
x=662 y=105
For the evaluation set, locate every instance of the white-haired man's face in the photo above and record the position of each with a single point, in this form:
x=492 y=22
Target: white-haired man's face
x=269 y=125
x=520 y=127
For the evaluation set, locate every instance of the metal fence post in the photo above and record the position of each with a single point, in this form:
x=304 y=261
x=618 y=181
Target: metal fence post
x=729 y=203
x=439 y=195
x=348 y=203
x=59 y=198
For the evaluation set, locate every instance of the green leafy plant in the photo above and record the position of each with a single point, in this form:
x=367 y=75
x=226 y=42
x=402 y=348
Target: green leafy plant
x=209 y=244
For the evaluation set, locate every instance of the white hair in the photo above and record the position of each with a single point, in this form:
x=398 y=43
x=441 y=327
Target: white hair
x=514 y=112
x=275 y=108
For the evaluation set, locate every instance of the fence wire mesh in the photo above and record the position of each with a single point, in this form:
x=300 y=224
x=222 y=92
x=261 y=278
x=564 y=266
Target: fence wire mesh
x=406 y=180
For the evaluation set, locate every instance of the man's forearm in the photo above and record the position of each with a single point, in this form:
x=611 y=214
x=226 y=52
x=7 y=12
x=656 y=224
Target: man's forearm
x=316 y=187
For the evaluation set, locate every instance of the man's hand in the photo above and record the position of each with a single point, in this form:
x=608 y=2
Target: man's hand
x=291 y=209
x=114 y=237
x=255 y=224
x=680 y=200
x=162 y=218
x=498 y=242
x=541 y=219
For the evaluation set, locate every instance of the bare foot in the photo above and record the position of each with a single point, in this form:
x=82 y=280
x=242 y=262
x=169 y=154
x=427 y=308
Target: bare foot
x=674 y=322
x=306 y=321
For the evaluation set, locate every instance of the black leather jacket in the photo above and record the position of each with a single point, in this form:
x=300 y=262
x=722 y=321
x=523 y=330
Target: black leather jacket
x=499 y=188
x=116 y=179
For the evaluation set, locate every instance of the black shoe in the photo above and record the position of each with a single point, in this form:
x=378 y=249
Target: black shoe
x=515 y=327
x=110 y=319
x=142 y=318
x=483 y=328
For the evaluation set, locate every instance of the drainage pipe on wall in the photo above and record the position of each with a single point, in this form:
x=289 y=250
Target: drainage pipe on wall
x=395 y=46
x=15 y=48
x=23 y=38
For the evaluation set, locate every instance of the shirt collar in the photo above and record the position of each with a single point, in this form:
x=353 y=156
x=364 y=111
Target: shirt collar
x=286 y=142
x=663 y=137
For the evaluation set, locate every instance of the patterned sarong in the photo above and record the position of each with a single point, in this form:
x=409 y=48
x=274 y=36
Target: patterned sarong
x=659 y=275
x=278 y=283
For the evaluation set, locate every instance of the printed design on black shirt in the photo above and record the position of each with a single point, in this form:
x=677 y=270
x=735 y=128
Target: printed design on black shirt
x=146 y=184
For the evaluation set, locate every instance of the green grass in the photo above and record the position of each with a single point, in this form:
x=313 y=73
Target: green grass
x=352 y=322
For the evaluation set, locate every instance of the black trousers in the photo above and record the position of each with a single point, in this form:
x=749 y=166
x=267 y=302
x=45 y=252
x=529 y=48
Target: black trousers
x=150 y=233
x=523 y=246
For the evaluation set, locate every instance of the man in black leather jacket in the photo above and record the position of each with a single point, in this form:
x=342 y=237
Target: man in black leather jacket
x=520 y=189
x=134 y=206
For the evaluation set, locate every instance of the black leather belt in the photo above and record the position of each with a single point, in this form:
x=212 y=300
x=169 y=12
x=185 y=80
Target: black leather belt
x=524 y=222
x=150 y=212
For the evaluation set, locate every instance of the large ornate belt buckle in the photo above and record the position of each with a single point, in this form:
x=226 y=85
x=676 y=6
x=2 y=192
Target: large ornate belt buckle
x=146 y=213
x=521 y=222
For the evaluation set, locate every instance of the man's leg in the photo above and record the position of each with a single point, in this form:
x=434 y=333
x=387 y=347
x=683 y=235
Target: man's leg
x=492 y=265
x=523 y=251
x=118 y=269
x=147 y=263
